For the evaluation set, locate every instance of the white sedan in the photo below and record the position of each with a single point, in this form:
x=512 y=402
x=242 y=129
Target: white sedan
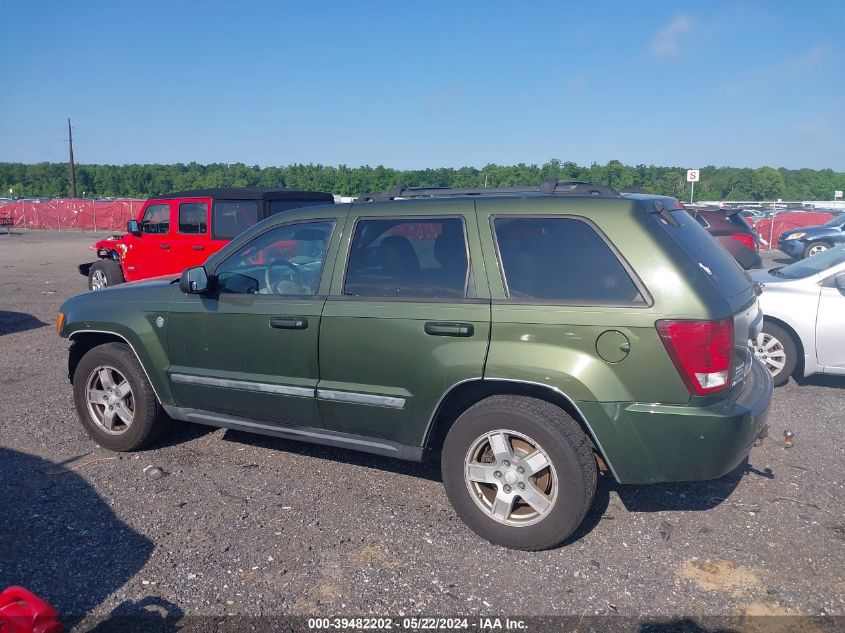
x=803 y=317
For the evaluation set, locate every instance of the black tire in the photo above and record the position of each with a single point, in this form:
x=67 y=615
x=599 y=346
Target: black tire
x=148 y=421
x=816 y=245
x=558 y=436
x=784 y=343
x=107 y=271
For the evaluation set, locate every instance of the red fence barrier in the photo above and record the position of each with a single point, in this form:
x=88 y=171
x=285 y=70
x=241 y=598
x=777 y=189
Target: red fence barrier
x=787 y=221
x=69 y=214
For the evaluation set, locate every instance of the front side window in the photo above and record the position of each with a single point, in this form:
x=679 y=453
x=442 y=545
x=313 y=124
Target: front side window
x=193 y=217
x=287 y=260
x=156 y=219
x=233 y=217
x=408 y=258
x=560 y=260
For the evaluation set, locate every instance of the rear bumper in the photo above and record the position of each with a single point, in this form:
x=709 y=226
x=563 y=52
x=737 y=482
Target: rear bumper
x=651 y=443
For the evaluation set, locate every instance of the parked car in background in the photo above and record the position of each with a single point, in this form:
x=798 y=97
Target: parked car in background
x=525 y=336
x=804 y=317
x=179 y=230
x=753 y=215
x=732 y=231
x=807 y=241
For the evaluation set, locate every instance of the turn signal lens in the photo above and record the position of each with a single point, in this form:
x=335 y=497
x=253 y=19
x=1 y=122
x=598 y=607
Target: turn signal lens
x=702 y=352
x=60 y=321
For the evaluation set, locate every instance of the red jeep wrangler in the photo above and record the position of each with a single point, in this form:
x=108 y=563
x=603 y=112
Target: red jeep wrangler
x=179 y=230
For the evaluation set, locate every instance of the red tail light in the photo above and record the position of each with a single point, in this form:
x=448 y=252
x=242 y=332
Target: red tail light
x=745 y=238
x=702 y=352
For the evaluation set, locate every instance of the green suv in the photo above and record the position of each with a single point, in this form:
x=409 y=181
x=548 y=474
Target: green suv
x=528 y=337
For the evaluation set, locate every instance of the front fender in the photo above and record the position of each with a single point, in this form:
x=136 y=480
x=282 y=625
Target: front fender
x=136 y=323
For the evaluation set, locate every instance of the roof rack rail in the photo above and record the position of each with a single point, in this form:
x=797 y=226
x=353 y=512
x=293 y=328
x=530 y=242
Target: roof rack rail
x=561 y=187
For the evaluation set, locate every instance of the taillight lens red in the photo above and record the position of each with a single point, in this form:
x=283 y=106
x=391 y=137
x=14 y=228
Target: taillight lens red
x=702 y=352
x=745 y=238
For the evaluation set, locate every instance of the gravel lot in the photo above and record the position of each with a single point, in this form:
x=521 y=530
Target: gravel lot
x=252 y=525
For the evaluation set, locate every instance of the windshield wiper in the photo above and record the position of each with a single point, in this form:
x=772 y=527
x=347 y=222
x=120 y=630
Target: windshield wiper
x=776 y=271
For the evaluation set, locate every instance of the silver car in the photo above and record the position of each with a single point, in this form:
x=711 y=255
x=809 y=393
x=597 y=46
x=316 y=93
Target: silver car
x=804 y=317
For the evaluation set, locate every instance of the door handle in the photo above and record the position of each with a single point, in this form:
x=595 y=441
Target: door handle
x=439 y=328
x=289 y=323
x=198 y=247
x=164 y=246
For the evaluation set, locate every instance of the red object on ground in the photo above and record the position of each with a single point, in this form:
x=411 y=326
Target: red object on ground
x=21 y=611
x=786 y=221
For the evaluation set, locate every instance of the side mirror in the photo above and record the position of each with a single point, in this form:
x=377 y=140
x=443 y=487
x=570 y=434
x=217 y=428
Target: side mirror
x=194 y=281
x=840 y=281
x=133 y=228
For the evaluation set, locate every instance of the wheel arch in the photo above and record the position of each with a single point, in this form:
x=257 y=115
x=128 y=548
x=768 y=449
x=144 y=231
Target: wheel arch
x=84 y=341
x=799 y=344
x=465 y=394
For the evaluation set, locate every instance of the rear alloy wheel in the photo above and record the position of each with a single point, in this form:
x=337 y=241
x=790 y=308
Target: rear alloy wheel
x=815 y=248
x=775 y=348
x=104 y=273
x=519 y=471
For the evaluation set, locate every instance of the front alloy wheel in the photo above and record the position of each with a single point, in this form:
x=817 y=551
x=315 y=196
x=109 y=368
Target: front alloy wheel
x=815 y=249
x=98 y=280
x=776 y=349
x=111 y=404
x=114 y=399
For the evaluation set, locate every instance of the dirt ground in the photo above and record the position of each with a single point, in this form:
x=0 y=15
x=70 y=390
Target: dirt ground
x=251 y=525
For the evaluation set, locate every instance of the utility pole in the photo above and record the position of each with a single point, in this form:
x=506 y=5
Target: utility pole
x=72 y=166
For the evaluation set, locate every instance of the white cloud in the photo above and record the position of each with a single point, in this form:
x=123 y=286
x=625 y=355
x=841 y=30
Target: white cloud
x=666 y=43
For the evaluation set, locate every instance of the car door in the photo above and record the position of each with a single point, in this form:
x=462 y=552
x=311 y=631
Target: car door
x=249 y=347
x=190 y=240
x=408 y=317
x=151 y=256
x=830 y=333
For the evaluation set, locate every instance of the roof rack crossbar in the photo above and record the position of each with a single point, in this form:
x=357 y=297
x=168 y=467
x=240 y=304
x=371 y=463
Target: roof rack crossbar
x=562 y=187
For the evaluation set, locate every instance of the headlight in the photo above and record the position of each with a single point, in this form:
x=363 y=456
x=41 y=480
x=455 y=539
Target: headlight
x=796 y=236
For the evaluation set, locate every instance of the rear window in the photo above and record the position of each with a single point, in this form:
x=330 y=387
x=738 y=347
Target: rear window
x=706 y=252
x=737 y=220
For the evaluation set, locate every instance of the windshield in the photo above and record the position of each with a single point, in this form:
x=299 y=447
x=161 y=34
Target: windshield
x=835 y=221
x=813 y=265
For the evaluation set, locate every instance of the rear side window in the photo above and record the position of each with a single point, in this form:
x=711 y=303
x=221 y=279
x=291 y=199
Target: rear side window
x=706 y=253
x=193 y=217
x=156 y=219
x=561 y=260
x=233 y=217
x=408 y=258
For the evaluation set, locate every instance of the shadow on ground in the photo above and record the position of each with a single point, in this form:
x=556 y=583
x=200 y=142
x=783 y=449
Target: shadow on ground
x=60 y=539
x=821 y=380
x=671 y=497
x=14 y=322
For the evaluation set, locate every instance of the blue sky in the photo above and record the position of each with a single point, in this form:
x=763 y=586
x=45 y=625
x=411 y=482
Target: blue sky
x=425 y=84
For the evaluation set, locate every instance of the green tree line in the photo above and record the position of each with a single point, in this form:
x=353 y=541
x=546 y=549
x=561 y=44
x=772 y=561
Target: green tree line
x=141 y=181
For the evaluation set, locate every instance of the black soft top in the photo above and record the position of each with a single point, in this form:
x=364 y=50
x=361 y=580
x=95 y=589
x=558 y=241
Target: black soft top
x=249 y=193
